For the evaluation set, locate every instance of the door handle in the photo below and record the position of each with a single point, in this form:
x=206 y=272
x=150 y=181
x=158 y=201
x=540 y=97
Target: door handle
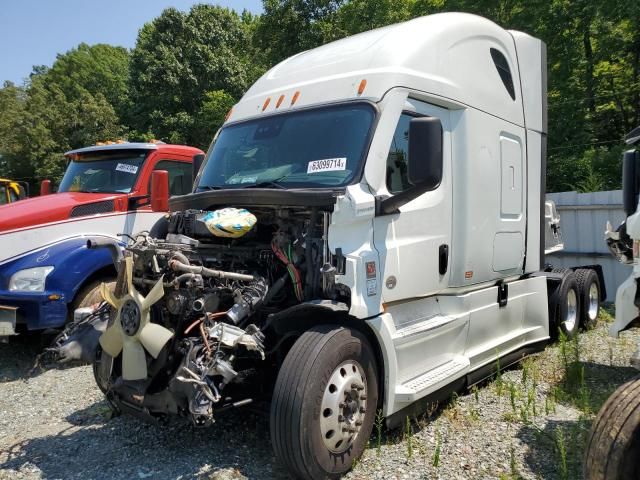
x=443 y=258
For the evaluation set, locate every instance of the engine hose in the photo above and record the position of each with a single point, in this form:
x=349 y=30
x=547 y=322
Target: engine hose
x=181 y=257
x=179 y=266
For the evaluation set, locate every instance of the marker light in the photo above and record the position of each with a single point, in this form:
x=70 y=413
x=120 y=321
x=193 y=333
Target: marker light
x=295 y=97
x=266 y=103
x=280 y=101
x=362 y=86
x=226 y=117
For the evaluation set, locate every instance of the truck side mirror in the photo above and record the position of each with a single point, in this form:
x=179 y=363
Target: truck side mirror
x=630 y=181
x=160 y=191
x=45 y=187
x=198 y=158
x=425 y=153
x=424 y=167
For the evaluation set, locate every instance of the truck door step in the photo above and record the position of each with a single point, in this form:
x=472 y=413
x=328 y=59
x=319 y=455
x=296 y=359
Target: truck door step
x=434 y=379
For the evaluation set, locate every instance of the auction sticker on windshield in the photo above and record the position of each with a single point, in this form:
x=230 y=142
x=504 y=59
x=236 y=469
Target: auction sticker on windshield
x=125 y=167
x=327 y=165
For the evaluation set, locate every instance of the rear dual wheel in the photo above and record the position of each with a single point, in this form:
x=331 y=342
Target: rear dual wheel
x=324 y=402
x=589 y=288
x=565 y=306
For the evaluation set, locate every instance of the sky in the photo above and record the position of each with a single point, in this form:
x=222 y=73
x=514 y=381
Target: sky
x=32 y=32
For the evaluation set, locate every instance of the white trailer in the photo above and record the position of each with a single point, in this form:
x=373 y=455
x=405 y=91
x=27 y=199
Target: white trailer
x=399 y=175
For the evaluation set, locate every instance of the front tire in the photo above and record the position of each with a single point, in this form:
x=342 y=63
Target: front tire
x=324 y=402
x=614 y=444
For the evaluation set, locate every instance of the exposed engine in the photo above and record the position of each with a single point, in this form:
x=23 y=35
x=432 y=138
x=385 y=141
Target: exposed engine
x=193 y=319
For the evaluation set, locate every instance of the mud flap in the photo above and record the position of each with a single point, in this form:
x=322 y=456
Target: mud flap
x=626 y=309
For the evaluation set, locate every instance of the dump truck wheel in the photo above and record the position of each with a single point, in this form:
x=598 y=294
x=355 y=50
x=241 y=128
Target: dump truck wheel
x=565 y=306
x=324 y=402
x=589 y=287
x=614 y=444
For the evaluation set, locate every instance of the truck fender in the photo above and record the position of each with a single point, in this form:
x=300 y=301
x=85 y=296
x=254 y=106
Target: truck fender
x=303 y=316
x=74 y=264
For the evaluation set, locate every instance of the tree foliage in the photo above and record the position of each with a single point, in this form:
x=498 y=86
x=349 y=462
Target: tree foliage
x=188 y=68
x=178 y=58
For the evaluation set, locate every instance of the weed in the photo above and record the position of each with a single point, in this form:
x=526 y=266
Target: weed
x=610 y=345
x=562 y=341
x=562 y=452
x=474 y=415
x=576 y=348
x=531 y=401
x=379 y=421
x=436 y=453
x=524 y=413
x=512 y=463
x=510 y=417
x=409 y=438
x=476 y=395
x=525 y=372
x=512 y=395
x=584 y=394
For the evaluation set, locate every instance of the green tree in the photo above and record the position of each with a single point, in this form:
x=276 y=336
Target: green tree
x=288 y=27
x=178 y=58
x=98 y=69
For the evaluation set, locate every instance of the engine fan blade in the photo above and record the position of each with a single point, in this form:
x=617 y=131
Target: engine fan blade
x=108 y=296
x=111 y=339
x=156 y=293
x=153 y=337
x=134 y=361
x=128 y=264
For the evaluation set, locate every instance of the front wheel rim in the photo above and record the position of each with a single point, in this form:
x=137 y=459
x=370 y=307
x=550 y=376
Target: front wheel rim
x=572 y=311
x=594 y=300
x=343 y=406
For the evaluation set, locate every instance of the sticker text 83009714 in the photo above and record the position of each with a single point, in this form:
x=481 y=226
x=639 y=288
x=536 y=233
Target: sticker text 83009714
x=327 y=165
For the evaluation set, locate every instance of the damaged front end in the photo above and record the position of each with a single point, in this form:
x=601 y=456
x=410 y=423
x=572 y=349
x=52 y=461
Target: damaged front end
x=190 y=330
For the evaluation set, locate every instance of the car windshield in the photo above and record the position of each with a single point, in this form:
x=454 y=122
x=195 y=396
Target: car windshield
x=323 y=147
x=103 y=172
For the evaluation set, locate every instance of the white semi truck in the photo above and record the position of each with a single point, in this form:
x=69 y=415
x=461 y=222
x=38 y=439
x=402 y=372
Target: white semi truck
x=366 y=233
x=614 y=444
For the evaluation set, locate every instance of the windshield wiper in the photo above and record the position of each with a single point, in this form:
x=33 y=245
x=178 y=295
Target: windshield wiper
x=268 y=183
x=207 y=187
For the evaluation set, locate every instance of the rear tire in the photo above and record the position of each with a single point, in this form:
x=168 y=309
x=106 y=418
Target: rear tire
x=565 y=307
x=589 y=287
x=324 y=402
x=614 y=443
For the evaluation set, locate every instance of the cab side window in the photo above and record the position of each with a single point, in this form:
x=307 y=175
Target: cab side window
x=397 y=171
x=3 y=195
x=179 y=176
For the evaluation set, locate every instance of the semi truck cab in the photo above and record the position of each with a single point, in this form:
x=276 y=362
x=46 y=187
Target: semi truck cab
x=46 y=269
x=365 y=233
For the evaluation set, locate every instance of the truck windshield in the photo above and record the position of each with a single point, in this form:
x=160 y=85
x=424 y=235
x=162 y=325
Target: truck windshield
x=323 y=147
x=102 y=172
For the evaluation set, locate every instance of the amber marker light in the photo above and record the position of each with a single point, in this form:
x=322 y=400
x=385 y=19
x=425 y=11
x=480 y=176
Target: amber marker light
x=226 y=117
x=266 y=103
x=295 y=97
x=362 y=86
x=280 y=101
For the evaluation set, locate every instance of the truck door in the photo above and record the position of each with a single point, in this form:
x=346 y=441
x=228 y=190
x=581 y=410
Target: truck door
x=414 y=243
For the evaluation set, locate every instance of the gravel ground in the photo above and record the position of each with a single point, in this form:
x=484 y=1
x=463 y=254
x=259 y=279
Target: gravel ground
x=55 y=424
